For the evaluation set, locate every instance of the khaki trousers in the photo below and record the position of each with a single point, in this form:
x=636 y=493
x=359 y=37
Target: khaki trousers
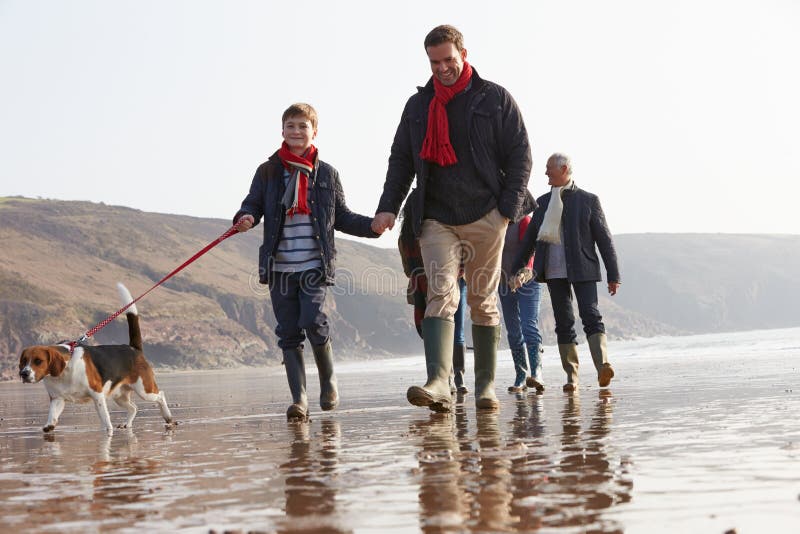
x=479 y=245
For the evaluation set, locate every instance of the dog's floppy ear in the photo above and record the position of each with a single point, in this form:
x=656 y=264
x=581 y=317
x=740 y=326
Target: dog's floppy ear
x=57 y=362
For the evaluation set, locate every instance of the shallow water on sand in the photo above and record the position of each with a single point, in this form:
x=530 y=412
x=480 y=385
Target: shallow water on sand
x=696 y=434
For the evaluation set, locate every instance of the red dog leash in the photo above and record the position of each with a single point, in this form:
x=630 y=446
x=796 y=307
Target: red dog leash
x=102 y=324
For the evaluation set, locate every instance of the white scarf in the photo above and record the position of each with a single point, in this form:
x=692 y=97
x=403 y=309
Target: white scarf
x=550 y=232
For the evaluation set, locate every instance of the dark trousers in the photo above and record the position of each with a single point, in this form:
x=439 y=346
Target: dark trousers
x=561 y=298
x=297 y=301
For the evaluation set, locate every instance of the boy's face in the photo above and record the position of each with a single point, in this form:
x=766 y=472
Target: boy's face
x=298 y=134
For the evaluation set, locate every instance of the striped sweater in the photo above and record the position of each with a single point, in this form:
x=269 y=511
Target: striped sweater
x=297 y=250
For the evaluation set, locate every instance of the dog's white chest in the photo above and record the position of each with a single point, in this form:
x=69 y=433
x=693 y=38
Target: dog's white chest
x=72 y=385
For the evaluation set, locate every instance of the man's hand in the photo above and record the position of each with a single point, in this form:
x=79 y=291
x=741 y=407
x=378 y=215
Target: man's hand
x=613 y=287
x=244 y=223
x=522 y=277
x=383 y=221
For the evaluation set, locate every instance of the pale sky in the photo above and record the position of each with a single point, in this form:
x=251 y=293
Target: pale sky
x=683 y=116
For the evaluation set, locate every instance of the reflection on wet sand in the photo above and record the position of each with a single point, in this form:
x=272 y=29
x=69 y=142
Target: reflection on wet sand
x=491 y=481
x=529 y=472
x=586 y=478
x=121 y=480
x=521 y=482
x=114 y=490
x=441 y=492
x=465 y=481
x=309 y=482
x=725 y=456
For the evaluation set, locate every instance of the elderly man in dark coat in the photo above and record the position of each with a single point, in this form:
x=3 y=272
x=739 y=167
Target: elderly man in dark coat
x=564 y=232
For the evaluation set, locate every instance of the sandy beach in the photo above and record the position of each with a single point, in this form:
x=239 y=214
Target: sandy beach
x=696 y=434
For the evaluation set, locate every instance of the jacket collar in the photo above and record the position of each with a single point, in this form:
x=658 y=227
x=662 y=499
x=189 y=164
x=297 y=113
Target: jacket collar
x=569 y=190
x=274 y=159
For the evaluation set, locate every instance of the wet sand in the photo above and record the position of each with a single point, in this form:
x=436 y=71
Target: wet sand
x=695 y=435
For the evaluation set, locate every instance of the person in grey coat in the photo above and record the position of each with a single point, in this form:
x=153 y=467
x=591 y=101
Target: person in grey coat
x=565 y=232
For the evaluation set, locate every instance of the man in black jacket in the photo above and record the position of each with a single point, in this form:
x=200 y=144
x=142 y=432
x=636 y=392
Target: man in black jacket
x=465 y=141
x=564 y=232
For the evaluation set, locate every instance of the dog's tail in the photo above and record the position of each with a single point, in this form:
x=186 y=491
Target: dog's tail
x=134 y=334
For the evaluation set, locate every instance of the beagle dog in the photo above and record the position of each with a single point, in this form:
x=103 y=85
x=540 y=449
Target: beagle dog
x=95 y=373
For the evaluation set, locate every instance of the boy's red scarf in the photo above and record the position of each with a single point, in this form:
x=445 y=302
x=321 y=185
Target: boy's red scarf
x=302 y=165
x=436 y=147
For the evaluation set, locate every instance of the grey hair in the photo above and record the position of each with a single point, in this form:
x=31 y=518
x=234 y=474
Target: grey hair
x=561 y=160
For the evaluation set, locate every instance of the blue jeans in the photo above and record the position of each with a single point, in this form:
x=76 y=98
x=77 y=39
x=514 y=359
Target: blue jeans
x=297 y=300
x=521 y=314
x=460 y=314
x=561 y=297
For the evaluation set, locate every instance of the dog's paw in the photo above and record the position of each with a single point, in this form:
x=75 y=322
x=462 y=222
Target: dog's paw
x=123 y=425
x=170 y=424
x=48 y=428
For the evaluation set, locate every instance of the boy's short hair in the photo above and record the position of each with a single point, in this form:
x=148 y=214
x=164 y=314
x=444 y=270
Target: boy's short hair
x=301 y=109
x=445 y=34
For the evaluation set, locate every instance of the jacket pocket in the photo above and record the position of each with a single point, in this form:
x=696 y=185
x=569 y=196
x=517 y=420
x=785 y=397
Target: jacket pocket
x=482 y=126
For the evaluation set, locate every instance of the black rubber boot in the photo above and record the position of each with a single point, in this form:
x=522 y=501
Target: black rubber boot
x=328 y=391
x=296 y=374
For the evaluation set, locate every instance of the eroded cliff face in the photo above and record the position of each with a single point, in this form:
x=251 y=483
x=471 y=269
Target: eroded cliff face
x=200 y=330
x=61 y=262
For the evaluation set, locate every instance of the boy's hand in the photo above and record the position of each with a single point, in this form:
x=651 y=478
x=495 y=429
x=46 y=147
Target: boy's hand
x=244 y=223
x=383 y=221
x=522 y=277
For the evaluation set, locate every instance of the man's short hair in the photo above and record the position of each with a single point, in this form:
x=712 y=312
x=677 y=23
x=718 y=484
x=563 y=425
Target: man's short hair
x=301 y=109
x=445 y=34
x=561 y=160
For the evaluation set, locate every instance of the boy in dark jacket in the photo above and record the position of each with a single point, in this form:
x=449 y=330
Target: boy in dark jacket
x=302 y=203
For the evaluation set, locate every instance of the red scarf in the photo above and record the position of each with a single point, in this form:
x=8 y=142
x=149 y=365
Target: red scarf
x=302 y=165
x=436 y=147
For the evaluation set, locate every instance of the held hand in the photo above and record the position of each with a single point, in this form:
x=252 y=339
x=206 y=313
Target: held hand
x=244 y=223
x=522 y=277
x=383 y=221
x=613 y=287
